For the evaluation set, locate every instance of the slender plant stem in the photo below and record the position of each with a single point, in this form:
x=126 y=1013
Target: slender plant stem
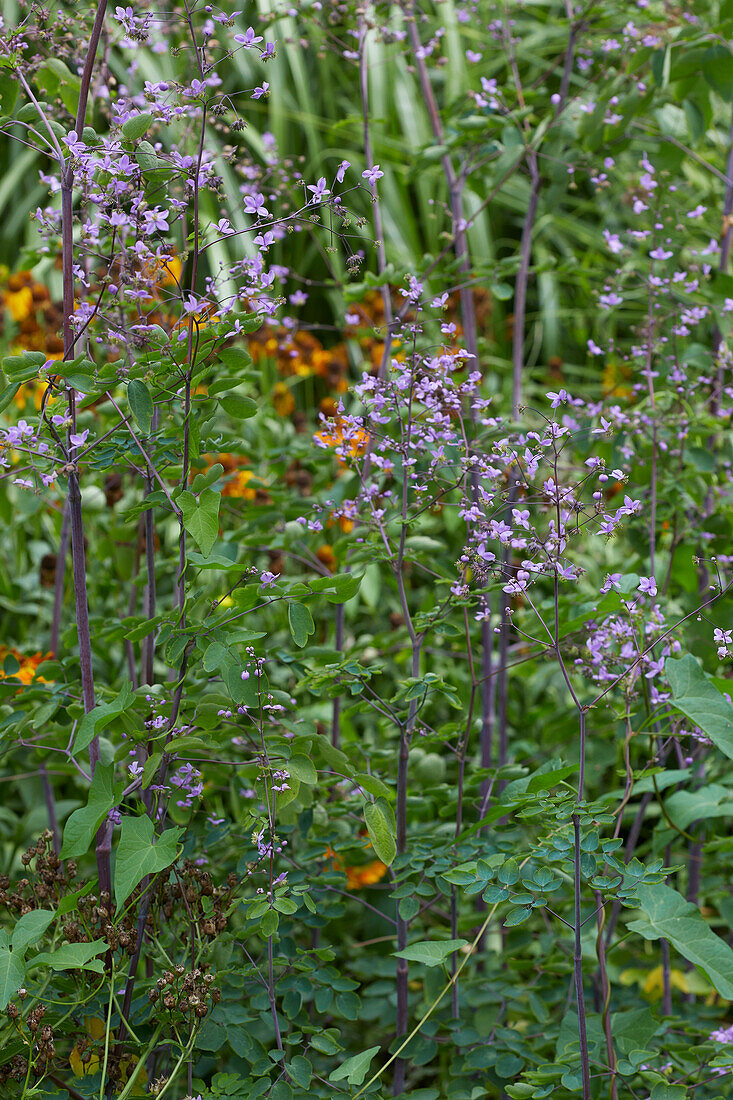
x=578 y=965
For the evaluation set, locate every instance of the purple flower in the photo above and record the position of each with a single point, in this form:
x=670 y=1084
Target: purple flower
x=255 y=204
x=74 y=142
x=613 y=241
x=648 y=585
x=248 y=39
x=267 y=578
x=372 y=174
x=263 y=90
x=192 y=304
x=341 y=170
x=155 y=219
x=660 y=254
x=320 y=191
x=79 y=438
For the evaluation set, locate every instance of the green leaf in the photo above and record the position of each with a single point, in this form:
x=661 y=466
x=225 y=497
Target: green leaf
x=12 y=975
x=214 y=655
x=517 y=916
x=84 y=822
x=302 y=768
x=717 y=69
x=373 y=785
x=201 y=517
x=135 y=127
x=710 y=801
x=355 y=1069
x=61 y=71
x=662 y=1091
x=238 y=406
x=30 y=928
x=409 y=908
x=543 y=781
x=430 y=952
x=203 y=481
x=146 y=157
x=151 y=766
x=334 y=757
x=668 y=916
x=300 y=1070
x=633 y=1029
x=100 y=717
x=141 y=403
x=381 y=832
x=269 y=923
x=73 y=956
x=701 y=701
x=301 y=623
x=509 y=872
x=138 y=854
x=9 y=89
x=235 y=358
x=337 y=589
x=8 y=395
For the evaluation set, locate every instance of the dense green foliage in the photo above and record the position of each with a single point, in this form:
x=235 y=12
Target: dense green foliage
x=365 y=458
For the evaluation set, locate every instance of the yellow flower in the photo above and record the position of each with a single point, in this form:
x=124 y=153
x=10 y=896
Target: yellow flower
x=96 y=1030
x=614 y=375
x=20 y=303
x=654 y=984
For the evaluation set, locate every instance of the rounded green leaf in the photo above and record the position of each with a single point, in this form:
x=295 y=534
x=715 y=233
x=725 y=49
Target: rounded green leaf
x=301 y=623
x=238 y=406
x=430 y=952
x=303 y=769
x=380 y=831
x=135 y=127
x=141 y=403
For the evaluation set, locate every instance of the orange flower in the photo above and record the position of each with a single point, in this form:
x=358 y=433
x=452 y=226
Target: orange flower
x=237 y=486
x=357 y=877
x=327 y=557
x=347 y=441
x=344 y=523
x=367 y=875
x=282 y=399
x=28 y=665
